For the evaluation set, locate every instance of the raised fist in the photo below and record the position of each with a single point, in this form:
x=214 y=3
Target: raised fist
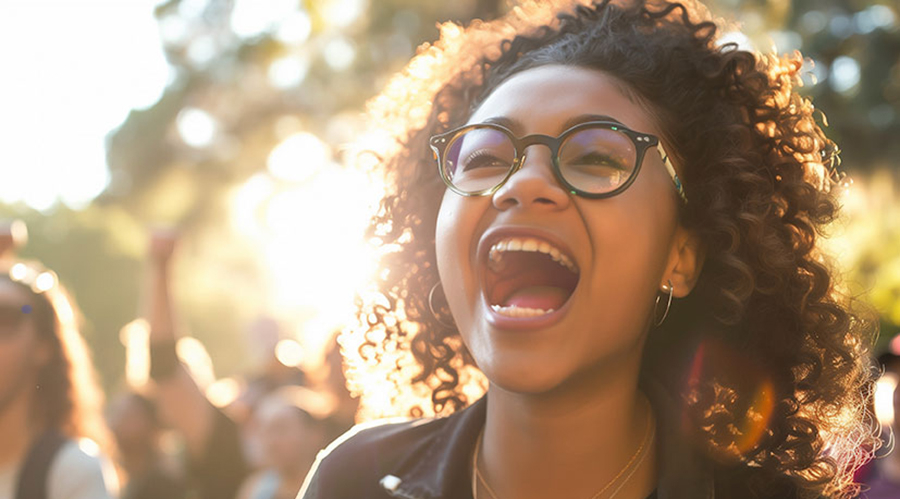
x=13 y=234
x=162 y=244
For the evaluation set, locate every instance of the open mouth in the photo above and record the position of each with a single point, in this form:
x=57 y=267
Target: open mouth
x=528 y=277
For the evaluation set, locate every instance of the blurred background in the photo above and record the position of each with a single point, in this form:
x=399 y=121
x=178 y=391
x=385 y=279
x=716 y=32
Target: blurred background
x=233 y=120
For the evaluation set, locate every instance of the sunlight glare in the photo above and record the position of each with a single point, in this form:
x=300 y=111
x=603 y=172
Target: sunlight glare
x=317 y=255
x=58 y=151
x=884 y=398
x=298 y=157
x=247 y=201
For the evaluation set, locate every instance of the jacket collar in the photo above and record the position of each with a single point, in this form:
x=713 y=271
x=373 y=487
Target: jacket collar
x=444 y=471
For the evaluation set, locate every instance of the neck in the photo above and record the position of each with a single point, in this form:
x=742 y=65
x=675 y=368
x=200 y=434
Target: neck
x=17 y=429
x=571 y=442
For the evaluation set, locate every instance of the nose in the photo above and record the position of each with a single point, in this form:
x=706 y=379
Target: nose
x=533 y=185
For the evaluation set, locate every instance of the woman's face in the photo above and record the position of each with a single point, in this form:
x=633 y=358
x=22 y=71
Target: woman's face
x=287 y=439
x=620 y=250
x=21 y=352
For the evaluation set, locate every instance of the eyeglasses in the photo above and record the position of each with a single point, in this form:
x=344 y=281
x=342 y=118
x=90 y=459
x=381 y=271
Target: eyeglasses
x=596 y=159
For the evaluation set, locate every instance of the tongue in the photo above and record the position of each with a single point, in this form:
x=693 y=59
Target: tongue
x=543 y=297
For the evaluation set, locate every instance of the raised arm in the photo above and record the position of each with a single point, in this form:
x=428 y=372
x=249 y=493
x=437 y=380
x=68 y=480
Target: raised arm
x=182 y=403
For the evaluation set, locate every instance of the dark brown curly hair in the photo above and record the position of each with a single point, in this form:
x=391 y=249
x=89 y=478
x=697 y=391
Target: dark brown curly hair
x=768 y=356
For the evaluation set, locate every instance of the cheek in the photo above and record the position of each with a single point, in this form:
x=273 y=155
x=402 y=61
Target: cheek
x=456 y=240
x=17 y=359
x=631 y=246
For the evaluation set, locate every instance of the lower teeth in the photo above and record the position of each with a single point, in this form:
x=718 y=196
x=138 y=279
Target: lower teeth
x=514 y=311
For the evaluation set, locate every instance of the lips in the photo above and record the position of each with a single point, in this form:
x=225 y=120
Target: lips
x=527 y=275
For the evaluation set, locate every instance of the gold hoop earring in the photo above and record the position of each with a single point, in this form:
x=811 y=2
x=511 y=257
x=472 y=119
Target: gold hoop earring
x=440 y=312
x=667 y=288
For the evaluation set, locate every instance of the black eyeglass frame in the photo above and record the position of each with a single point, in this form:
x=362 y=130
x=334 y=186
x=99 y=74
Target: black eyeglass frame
x=642 y=142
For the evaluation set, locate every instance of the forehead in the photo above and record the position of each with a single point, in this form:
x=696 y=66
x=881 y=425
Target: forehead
x=543 y=99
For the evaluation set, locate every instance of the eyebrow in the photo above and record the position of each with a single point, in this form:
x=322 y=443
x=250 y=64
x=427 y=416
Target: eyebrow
x=516 y=126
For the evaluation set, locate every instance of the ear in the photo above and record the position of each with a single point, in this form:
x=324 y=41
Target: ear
x=686 y=256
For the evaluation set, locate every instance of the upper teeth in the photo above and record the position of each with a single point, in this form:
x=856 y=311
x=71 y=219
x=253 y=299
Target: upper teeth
x=530 y=244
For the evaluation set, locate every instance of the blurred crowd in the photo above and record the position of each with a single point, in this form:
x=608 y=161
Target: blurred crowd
x=160 y=436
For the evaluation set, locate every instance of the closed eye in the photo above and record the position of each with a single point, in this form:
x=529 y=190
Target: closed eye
x=483 y=158
x=597 y=159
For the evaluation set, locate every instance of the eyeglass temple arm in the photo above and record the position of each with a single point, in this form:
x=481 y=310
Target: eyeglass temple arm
x=671 y=170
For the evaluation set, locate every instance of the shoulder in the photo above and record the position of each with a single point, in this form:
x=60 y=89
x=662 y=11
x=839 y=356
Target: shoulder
x=748 y=482
x=78 y=471
x=355 y=462
x=263 y=483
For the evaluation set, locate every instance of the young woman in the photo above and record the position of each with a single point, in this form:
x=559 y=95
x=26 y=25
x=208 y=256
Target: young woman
x=613 y=217
x=50 y=421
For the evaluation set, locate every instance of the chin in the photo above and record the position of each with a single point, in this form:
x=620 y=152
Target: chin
x=524 y=377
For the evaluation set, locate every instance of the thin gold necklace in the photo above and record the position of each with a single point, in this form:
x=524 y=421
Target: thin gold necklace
x=631 y=466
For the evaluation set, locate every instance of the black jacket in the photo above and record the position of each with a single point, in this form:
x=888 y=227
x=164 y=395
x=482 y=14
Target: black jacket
x=430 y=459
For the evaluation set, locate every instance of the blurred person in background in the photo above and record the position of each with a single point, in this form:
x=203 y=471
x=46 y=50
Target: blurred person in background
x=881 y=477
x=136 y=427
x=216 y=465
x=263 y=335
x=52 y=435
x=292 y=425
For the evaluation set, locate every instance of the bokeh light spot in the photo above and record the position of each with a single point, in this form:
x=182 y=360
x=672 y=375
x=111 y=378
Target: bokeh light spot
x=251 y=18
x=223 y=392
x=295 y=28
x=813 y=21
x=44 y=281
x=289 y=352
x=845 y=74
x=18 y=272
x=342 y=13
x=339 y=54
x=287 y=72
x=196 y=127
x=841 y=26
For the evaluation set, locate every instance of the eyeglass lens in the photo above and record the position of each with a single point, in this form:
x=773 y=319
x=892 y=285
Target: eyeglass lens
x=595 y=160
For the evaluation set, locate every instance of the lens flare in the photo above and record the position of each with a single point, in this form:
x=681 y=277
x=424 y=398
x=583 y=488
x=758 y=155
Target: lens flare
x=717 y=374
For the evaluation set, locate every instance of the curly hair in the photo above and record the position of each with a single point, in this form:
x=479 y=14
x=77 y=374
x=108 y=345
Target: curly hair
x=769 y=357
